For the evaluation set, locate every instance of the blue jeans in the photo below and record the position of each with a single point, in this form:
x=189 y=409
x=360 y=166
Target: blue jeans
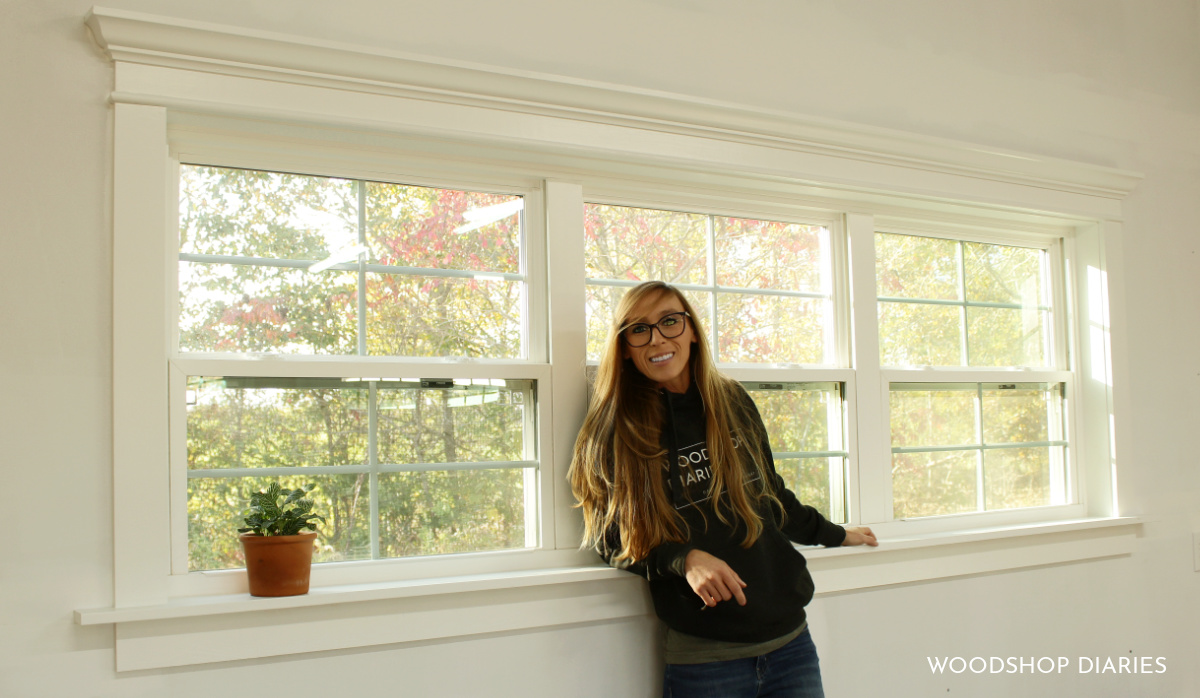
x=792 y=671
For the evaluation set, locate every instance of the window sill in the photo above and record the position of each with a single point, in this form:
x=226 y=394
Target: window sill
x=193 y=606
x=933 y=556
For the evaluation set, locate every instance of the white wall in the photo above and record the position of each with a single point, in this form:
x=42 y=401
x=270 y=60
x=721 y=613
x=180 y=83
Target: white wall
x=1111 y=82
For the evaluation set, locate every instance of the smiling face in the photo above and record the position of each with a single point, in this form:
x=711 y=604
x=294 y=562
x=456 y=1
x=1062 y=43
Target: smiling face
x=665 y=361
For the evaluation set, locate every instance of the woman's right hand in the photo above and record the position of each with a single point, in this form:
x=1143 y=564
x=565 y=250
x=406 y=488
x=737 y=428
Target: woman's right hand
x=712 y=579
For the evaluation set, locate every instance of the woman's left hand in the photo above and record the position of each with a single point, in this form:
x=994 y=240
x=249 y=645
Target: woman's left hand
x=860 y=535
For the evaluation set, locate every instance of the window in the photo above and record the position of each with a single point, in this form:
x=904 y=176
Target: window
x=952 y=311
x=305 y=269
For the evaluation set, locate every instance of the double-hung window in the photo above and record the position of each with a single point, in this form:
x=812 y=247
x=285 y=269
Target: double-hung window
x=972 y=345
x=364 y=336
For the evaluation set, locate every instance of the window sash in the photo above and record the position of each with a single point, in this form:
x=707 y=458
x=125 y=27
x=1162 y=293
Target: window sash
x=982 y=395
x=529 y=332
x=375 y=467
x=1049 y=306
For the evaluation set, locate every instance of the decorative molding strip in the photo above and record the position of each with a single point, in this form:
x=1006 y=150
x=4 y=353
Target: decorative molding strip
x=173 y=642
x=169 y=42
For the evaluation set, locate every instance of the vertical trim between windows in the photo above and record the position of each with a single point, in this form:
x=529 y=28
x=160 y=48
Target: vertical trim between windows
x=141 y=514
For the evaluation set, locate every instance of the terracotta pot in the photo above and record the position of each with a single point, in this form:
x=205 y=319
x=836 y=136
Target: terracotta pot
x=278 y=565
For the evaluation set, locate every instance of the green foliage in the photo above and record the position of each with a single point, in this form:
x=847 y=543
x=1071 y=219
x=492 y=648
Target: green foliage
x=268 y=516
x=926 y=334
x=948 y=481
x=306 y=424
x=423 y=513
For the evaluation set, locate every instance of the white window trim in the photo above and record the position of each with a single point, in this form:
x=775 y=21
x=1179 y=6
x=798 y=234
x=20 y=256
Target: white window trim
x=197 y=78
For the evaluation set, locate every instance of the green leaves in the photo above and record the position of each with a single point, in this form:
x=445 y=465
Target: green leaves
x=268 y=517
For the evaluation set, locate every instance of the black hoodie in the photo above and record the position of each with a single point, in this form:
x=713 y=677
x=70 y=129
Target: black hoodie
x=778 y=585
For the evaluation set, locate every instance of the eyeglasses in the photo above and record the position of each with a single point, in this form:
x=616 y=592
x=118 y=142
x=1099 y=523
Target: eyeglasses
x=670 y=326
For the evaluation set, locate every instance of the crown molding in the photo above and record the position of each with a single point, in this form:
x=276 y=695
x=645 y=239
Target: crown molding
x=147 y=39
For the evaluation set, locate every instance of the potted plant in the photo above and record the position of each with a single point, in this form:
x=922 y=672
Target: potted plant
x=278 y=541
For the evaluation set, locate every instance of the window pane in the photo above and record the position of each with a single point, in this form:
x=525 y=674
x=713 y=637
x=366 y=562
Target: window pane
x=243 y=308
x=444 y=228
x=907 y=266
x=257 y=423
x=216 y=509
x=808 y=478
x=1021 y=415
x=923 y=418
x=640 y=244
x=771 y=329
x=468 y=423
x=601 y=303
x=770 y=255
x=424 y=316
x=430 y=513
x=914 y=334
x=929 y=484
x=247 y=213
x=1006 y=337
x=282 y=424
x=1017 y=477
x=1002 y=274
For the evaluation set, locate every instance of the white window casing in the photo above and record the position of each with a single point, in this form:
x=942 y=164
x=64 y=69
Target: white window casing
x=207 y=94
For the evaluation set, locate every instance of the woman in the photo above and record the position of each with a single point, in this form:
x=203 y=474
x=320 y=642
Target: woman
x=674 y=474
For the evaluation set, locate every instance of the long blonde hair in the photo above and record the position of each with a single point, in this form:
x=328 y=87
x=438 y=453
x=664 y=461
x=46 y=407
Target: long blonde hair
x=617 y=470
